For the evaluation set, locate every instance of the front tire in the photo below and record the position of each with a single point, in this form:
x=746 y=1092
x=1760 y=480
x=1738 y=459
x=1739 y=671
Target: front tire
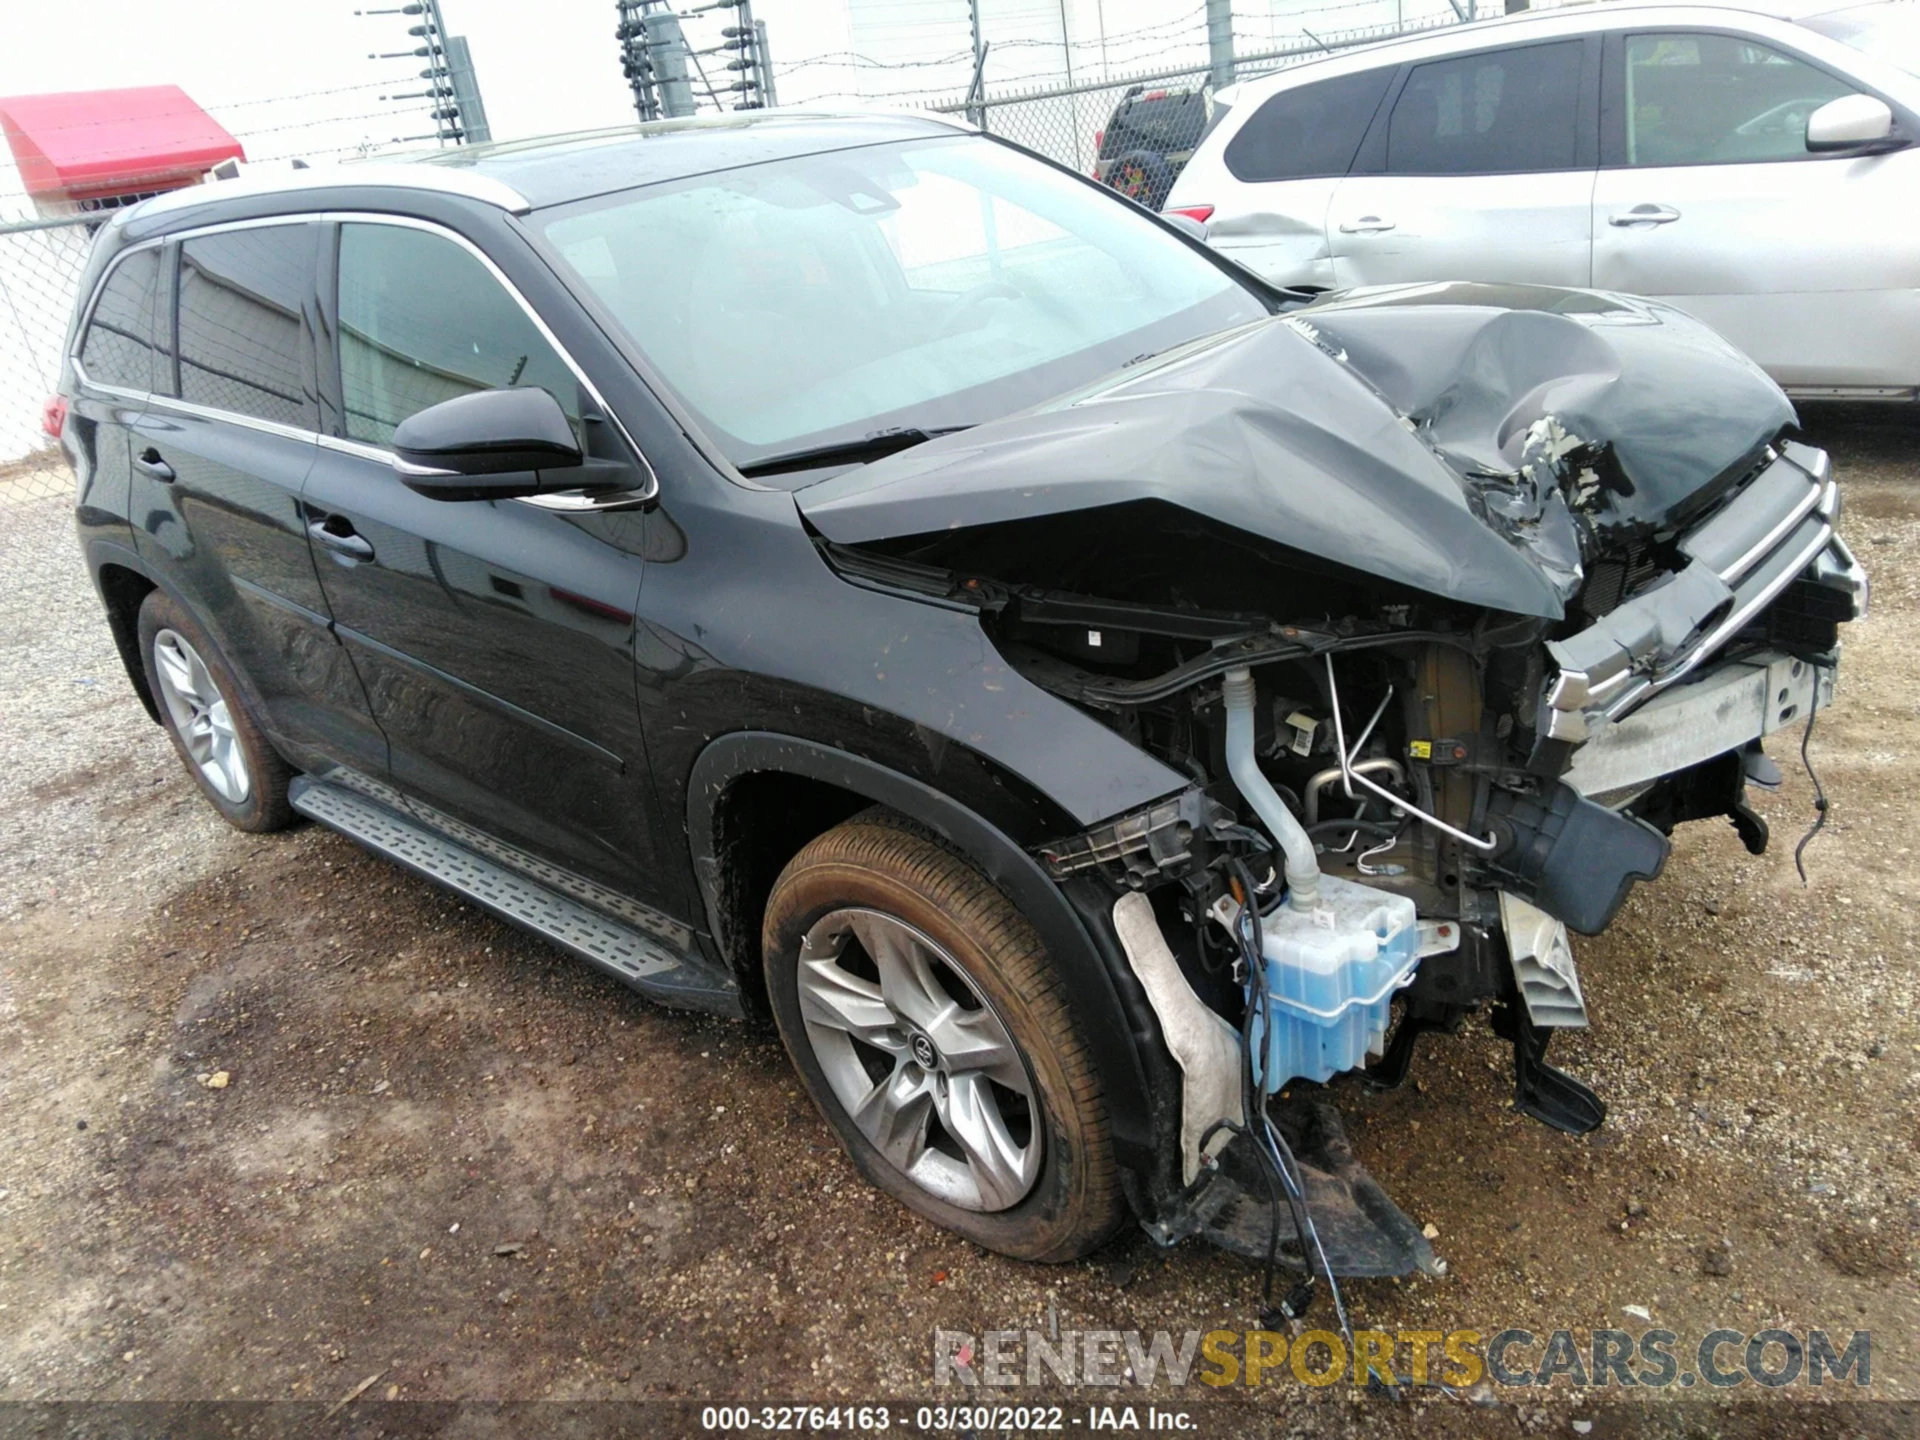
x=205 y=714
x=935 y=1037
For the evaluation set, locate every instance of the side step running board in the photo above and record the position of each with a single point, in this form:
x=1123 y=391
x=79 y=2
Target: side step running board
x=628 y=954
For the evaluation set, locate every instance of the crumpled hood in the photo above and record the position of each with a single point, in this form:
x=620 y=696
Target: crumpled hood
x=1465 y=440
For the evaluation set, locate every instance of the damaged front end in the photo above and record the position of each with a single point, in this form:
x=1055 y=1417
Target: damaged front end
x=1452 y=602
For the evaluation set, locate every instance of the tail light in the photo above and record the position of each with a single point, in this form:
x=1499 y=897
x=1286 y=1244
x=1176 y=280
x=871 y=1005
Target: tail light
x=1099 y=138
x=53 y=415
x=1201 y=213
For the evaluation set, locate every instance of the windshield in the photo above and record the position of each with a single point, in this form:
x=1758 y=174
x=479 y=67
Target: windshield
x=1888 y=31
x=928 y=285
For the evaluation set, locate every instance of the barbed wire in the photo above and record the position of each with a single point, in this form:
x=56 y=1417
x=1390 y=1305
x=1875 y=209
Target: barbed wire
x=300 y=95
x=192 y=109
x=1127 y=49
x=852 y=59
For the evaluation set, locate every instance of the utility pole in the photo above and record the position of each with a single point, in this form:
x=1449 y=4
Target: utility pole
x=466 y=91
x=1220 y=42
x=452 y=88
x=766 y=64
x=636 y=60
x=668 y=44
x=977 y=111
x=653 y=57
x=744 y=45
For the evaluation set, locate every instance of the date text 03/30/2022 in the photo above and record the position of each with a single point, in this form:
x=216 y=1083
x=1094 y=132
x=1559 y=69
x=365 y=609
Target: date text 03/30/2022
x=943 y=1419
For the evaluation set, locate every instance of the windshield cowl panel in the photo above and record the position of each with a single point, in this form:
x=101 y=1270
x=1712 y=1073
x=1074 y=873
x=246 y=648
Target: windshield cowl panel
x=812 y=303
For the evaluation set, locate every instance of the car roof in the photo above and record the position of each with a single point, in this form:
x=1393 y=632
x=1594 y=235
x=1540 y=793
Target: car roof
x=523 y=175
x=1578 y=17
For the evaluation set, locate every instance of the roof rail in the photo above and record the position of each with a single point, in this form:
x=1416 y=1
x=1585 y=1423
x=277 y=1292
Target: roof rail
x=440 y=179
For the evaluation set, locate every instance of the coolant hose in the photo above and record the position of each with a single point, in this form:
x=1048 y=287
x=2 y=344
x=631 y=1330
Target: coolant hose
x=1303 y=870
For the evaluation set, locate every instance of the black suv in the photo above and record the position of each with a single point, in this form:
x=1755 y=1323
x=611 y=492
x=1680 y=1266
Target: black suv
x=1148 y=140
x=853 y=572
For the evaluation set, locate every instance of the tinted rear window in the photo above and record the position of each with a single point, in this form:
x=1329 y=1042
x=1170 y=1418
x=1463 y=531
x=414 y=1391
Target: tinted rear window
x=1166 y=124
x=1313 y=130
x=118 y=348
x=243 y=337
x=1501 y=113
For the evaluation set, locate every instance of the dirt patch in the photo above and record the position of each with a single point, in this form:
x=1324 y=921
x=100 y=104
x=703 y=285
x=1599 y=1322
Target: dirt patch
x=451 y=1156
x=66 y=787
x=1886 y=503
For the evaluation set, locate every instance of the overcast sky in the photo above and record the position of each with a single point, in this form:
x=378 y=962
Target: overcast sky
x=293 y=77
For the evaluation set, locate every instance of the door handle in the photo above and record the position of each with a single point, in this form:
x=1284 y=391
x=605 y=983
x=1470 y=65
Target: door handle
x=1645 y=215
x=1366 y=225
x=148 y=462
x=338 y=535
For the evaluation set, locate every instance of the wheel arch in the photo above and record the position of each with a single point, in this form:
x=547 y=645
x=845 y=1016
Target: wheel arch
x=124 y=584
x=747 y=773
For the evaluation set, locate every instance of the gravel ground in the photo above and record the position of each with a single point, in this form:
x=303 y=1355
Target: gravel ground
x=455 y=1160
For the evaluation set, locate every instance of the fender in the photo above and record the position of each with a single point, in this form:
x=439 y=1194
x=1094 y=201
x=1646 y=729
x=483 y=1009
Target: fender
x=1121 y=1033
x=102 y=553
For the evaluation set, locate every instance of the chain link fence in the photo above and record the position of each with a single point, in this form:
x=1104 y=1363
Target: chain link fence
x=45 y=640
x=1137 y=131
x=40 y=264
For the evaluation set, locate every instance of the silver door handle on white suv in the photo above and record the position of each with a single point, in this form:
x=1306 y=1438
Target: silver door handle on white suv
x=1646 y=215
x=1366 y=225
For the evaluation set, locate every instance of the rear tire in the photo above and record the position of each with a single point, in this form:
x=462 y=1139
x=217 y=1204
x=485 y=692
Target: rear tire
x=974 y=1077
x=205 y=714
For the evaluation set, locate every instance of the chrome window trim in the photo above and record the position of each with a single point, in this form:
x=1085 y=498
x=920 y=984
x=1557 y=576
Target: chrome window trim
x=355 y=447
x=118 y=392
x=565 y=501
x=232 y=417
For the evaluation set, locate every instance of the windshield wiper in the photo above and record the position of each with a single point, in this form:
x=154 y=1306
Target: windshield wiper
x=876 y=446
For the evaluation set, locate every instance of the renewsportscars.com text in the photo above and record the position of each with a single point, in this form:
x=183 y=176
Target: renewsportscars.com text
x=1511 y=1358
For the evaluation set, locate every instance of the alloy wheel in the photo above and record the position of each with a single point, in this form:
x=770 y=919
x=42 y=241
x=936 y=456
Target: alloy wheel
x=919 y=1059
x=201 y=716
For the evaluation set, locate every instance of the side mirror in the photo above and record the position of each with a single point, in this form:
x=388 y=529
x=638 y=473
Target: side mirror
x=1848 y=123
x=490 y=445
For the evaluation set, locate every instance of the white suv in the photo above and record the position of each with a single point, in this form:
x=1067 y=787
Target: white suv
x=1758 y=170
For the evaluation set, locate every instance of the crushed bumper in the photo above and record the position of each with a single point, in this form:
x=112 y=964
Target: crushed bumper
x=1777 y=532
x=1735 y=703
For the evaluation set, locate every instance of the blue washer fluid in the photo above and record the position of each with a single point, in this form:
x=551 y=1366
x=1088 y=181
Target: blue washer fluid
x=1330 y=976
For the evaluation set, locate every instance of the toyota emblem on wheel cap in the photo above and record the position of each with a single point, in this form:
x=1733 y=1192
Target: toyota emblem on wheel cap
x=924 y=1052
